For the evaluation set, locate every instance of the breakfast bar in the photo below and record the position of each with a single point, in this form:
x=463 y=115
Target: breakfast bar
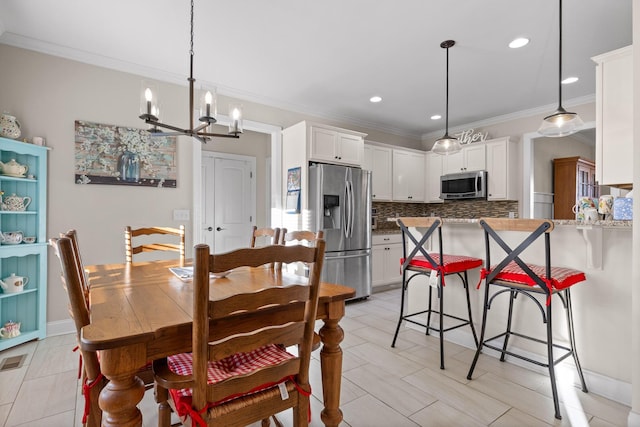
x=601 y=305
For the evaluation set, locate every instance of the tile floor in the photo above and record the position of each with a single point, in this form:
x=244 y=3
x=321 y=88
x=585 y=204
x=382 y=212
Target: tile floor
x=382 y=386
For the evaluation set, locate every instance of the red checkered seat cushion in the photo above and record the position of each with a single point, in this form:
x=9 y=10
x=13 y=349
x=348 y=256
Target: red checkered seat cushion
x=451 y=263
x=561 y=277
x=234 y=365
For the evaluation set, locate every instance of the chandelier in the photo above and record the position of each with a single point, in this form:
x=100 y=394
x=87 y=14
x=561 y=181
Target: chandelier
x=149 y=109
x=561 y=122
x=447 y=144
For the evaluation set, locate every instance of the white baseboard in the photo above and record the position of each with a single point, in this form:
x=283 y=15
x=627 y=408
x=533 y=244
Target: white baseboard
x=634 y=419
x=60 y=327
x=599 y=384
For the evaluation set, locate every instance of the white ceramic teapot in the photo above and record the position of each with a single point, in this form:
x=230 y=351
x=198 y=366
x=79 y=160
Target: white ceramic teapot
x=11 y=237
x=16 y=203
x=13 y=168
x=9 y=126
x=13 y=283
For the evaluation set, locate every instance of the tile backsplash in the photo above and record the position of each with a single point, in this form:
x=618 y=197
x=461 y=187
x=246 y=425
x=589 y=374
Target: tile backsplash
x=448 y=209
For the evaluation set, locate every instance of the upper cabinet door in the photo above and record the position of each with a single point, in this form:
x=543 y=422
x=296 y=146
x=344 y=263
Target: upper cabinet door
x=350 y=149
x=470 y=158
x=323 y=144
x=614 y=117
x=434 y=170
x=408 y=176
x=378 y=161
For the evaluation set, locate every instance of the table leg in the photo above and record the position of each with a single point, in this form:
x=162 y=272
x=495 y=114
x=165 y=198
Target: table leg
x=120 y=396
x=331 y=335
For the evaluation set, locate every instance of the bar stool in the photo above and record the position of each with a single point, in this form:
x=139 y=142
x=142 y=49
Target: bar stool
x=513 y=276
x=413 y=265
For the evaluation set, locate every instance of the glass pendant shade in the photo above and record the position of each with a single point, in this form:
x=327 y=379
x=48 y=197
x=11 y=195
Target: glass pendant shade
x=235 y=114
x=446 y=145
x=560 y=123
x=208 y=105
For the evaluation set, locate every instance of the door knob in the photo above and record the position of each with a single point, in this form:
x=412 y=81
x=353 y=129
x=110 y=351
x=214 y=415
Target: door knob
x=219 y=229
x=209 y=228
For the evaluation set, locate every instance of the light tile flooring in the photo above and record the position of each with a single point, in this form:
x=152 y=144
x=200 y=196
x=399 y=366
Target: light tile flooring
x=381 y=386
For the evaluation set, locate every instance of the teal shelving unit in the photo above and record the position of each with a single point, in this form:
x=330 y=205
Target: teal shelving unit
x=29 y=260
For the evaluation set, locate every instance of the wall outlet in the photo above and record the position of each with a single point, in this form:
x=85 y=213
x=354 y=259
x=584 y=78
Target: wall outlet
x=512 y=215
x=181 y=214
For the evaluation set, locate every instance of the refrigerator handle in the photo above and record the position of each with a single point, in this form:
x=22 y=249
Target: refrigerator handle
x=349 y=210
x=352 y=212
x=345 y=210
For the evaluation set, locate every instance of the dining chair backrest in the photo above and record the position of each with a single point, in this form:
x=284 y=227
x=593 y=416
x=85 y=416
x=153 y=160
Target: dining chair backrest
x=245 y=322
x=84 y=281
x=72 y=281
x=131 y=250
x=300 y=236
x=264 y=236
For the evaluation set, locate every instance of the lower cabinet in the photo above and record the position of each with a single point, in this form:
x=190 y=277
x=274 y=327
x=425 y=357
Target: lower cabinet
x=386 y=252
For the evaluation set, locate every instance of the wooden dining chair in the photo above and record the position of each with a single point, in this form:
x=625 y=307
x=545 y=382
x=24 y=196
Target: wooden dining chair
x=76 y=284
x=93 y=381
x=239 y=371
x=130 y=234
x=264 y=236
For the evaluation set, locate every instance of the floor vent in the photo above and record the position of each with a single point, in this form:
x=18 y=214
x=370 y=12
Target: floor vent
x=12 y=362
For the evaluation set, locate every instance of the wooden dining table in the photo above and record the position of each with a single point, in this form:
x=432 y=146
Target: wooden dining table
x=141 y=312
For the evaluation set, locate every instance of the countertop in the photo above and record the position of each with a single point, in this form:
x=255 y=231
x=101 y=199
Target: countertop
x=566 y=222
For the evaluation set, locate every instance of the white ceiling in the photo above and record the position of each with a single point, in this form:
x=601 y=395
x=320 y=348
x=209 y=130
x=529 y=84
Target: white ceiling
x=326 y=58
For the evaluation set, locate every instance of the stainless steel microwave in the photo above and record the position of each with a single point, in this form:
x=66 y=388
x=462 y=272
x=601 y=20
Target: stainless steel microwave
x=464 y=185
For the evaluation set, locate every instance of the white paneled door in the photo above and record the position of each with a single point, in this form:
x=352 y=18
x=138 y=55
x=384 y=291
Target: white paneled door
x=229 y=209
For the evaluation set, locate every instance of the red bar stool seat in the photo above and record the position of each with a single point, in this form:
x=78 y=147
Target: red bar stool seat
x=414 y=265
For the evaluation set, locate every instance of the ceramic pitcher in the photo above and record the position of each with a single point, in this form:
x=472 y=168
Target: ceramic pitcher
x=9 y=126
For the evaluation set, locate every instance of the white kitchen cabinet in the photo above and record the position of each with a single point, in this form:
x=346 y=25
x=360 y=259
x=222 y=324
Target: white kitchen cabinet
x=614 y=117
x=434 y=163
x=408 y=176
x=470 y=158
x=503 y=177
x=386 y=252
x=378 y=161
x=335 y=146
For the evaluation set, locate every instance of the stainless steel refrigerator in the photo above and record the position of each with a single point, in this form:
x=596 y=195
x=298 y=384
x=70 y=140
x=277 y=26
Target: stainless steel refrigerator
x=340 y=206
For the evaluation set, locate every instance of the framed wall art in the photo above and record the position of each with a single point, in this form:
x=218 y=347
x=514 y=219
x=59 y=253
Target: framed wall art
x=115 y=155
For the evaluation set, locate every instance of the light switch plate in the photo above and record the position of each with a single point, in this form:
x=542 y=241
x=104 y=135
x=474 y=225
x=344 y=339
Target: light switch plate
x=181 y=214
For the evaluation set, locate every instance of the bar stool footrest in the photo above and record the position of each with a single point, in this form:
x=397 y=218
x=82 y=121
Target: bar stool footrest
x=568 y=352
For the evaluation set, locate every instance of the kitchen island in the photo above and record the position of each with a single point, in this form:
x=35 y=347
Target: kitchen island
x=601 y=304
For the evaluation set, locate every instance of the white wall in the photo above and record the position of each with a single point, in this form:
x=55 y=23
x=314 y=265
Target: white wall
x=48 y=94
x=547 y=149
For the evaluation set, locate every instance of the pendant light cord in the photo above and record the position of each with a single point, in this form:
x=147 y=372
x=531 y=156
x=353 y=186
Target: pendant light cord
x=446 y=110
x=560 y=59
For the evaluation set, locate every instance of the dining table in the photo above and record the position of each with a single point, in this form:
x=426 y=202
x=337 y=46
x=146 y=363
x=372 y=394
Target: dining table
x=142 y=312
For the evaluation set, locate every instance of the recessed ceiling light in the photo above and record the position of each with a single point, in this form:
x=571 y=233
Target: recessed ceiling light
x=375 y=99
x=436 y=117
x=569 y=80
x=519 y=42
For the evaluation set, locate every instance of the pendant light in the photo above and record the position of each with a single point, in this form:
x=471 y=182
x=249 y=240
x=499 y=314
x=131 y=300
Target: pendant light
x=561 y=122
x=149 y=109
x=447 y=144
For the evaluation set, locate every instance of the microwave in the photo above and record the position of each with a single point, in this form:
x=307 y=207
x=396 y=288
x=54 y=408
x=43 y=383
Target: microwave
x=464 y=185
